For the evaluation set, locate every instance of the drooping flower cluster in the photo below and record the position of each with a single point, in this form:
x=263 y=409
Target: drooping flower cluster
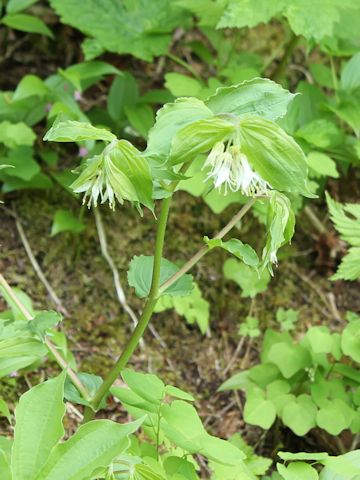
x=230 y=169
x=114 y=175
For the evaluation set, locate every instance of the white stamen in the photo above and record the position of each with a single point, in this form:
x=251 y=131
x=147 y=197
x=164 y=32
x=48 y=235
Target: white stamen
x=230 y=168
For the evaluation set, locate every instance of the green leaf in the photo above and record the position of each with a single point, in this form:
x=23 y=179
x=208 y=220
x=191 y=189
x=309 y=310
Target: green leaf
x=246 y=277
x=349 y=269
x=91 y=382
x=180 y=466
x=322 y=164
x=243 y=13
x=320 y=339
x=23 y=163
x=88 y=72
x=259 y=96
x=44 y=321
x=38 y=428
x=146 y=385
x=73 y=131
x=334 y=416
x=314 y=457
x=30 y=86
x=26 y=23
x=169 y=120
x=300 y=414
x=15 y=134
x=239 y=381
x=183 y=427
x=280 y=228
x=347 y=109
x=321 y=133
x=4 y=411
x=65 y=221
x=180 y=85
x=297 y=471
x=350 y=340
x=258 y=410
x=193 y=307
x=178 y=393
x=297 y=358
x=199 y=137
x=14 y=6
x=123 y=94
x=138 y=27
x=141 y=117
x=350 y=76
x=140 y=275
x=240 y=250
x=274 y=155
x=93 y=446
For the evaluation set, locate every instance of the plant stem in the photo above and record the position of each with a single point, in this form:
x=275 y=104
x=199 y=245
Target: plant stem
x=155 y=291
x=144 y=319
x=205 y=249
x=51 y=347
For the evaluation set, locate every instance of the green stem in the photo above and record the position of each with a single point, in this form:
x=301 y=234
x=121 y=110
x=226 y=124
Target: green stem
x=144 y=319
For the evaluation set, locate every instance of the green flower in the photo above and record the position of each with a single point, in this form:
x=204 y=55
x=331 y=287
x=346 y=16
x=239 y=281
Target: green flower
x=119 y=173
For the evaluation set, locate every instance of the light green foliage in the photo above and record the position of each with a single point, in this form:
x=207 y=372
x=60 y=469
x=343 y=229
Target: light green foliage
x=250 y=281
x=172 y=420
x=73 y=131
x=250 y=327
x=140 y=275
x=26 y=23
x=141 y=28
x=346 y=219
x=194 y=308
x=65 y=221
x=236 y=247
x=287 y=318
x=306 y=384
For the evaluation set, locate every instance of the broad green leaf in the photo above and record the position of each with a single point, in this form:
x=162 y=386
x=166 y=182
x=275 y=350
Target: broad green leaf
x=23 y=163
x=297 y=471
x=346 y=466
x=180 y=466
x=141 y=117
x=274 y=155
x=92 y=447
x=4 y=466
x=322 y=164
x=91 y=382
x=171 y=118
x=140 y=275
x=15 y=134
x=244 y=13
x=259 y=96
x=14 y=6
x=350 y=76
x=83 y=74
x=334 y=416
x=17 y=347
x=240 y=250
x=178 y=393
x=123 y=94
x=321 y=133
x=320 y=339
x=258 y=410
x=65 y=221
x=38 y=428
x=350 y=340
x=246 y=277
x=199 y=137
x=73 y=131
x=30 y=86
x=348 y=109
x=193 y=307
x=182 y=85
x=26 y=23
x=137 y=27
x=146 y=385
x=322 y=75
x=300 y=414
x=44 y=321
x=264 y=374
x=183 y=427
x=297 y=358
x=239 y=381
